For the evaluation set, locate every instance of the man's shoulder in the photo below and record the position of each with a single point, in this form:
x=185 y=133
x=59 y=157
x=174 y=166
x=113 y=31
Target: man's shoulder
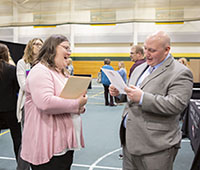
x=180 y=67
x=176 y=69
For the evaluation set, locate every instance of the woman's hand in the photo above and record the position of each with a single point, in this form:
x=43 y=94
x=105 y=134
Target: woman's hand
x=82 y=110
x=83 y=100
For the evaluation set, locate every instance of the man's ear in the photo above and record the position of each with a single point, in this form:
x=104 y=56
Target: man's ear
x=167 y=49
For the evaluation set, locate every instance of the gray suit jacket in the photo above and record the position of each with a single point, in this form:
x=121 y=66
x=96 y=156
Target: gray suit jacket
x=154 y=125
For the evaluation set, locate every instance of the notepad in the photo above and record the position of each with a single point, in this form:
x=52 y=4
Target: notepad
x=75 y=87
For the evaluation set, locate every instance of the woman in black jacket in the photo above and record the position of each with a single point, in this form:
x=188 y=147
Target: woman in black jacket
x=8 y=97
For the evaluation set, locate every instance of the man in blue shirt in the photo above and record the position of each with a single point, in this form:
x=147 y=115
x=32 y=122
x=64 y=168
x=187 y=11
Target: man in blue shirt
x=106 y=83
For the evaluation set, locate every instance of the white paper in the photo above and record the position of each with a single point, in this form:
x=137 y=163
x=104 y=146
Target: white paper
x=116 y=80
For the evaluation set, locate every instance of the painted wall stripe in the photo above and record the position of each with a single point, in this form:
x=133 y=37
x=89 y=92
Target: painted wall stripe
x=3 y=133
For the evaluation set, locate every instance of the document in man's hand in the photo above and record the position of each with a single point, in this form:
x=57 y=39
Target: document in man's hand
x=75 y=87
x=116 y=80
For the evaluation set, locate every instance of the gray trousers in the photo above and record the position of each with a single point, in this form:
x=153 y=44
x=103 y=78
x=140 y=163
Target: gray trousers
x=162 y=160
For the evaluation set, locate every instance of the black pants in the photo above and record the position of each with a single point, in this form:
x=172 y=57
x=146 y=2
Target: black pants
x=10 y=120
x=106 y=92
x=122 y=133
x=22 y=164
x=62 y=162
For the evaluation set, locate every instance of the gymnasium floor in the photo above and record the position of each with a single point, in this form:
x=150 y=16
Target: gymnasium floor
x=100 y=128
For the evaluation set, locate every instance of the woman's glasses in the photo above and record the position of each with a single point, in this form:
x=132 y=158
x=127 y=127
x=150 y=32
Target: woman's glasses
x=37 y=44
x=67 y=48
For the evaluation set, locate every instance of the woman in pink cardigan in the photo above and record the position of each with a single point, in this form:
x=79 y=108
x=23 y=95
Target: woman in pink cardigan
x=52 y=129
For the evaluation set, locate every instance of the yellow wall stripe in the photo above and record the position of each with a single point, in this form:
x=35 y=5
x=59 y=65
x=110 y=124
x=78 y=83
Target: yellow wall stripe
x=4 y=132
x=44 y=26
x=100 y=54
x=186 y=54
x=102 y=24
x=164 y=23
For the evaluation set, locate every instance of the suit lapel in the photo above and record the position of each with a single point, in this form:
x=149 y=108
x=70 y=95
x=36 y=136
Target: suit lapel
x=157 y=72
x=135 y=77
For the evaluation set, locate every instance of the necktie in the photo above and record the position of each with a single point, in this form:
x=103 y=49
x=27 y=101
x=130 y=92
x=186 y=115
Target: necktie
x=151 y=69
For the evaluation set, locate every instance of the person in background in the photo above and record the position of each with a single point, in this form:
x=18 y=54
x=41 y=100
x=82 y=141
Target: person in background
x=122 y=71
x=70 y=67
x=23 y=68
x=8 y=97
x=106 y=83
x=122 y=97
x=52 y=126
x=137 y=56
x=183 y=61
x=159 y=90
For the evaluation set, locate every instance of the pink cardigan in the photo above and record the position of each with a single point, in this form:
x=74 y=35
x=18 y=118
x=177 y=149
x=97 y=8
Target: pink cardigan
x=48 y=127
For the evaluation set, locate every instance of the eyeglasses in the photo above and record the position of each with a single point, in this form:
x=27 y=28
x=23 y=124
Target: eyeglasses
x=37 y=44
x=67 y=48
x=132 y=53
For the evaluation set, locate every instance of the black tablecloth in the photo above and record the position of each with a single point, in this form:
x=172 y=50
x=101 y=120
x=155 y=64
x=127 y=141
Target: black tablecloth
x=191 y=129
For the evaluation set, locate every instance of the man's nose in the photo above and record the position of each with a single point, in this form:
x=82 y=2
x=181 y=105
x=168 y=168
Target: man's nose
x=146 y=53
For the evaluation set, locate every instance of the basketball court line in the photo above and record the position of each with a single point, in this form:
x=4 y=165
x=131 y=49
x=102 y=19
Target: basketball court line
x=101 y=158
x=97 y=94
x=7 y=158
x=96 y=103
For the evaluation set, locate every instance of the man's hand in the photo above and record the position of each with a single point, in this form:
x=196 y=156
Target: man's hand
x=133 y=93
x=113 y=91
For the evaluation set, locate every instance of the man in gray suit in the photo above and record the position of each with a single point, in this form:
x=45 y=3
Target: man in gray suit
x=159 y=90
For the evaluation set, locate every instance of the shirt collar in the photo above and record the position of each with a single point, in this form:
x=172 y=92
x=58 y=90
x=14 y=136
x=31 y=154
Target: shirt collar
x=158 y=65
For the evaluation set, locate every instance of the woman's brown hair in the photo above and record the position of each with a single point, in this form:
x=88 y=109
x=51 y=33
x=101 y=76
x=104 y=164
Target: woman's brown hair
x=4 y=56
x=48 y=51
